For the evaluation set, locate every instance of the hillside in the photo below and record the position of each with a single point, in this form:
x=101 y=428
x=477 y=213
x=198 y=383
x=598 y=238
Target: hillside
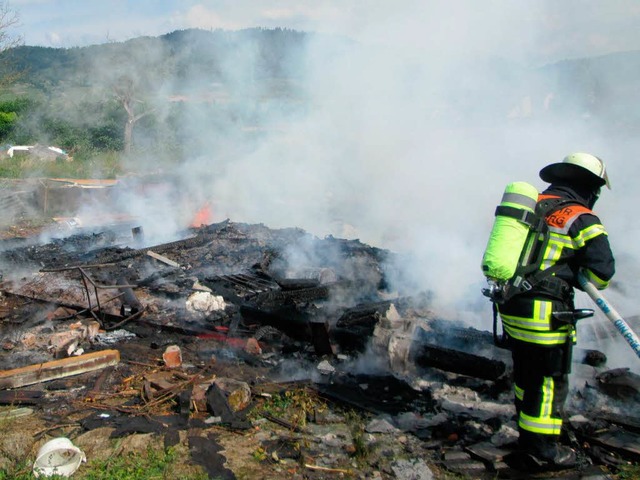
x=179 y=54
x=257 y=79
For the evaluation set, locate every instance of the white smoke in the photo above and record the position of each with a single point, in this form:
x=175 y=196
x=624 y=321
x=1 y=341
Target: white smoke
x=405 y=140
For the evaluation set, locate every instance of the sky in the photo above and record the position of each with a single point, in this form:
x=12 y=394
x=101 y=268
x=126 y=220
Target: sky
x=371 y=160
x=535 y=31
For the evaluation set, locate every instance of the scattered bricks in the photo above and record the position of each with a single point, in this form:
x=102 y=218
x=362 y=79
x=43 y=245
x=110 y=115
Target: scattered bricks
x=61 y=340
x=253 y=347
x=172 y=356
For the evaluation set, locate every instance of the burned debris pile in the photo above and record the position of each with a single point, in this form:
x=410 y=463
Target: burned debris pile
x=197 y=331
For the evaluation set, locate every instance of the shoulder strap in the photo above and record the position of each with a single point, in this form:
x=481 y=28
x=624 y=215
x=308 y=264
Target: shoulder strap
x=551 y=204
x=528 y=276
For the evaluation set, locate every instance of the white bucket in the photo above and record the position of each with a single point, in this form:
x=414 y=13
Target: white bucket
x=58 y=457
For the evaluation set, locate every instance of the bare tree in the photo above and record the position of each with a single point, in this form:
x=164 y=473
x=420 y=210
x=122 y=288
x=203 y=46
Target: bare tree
x=8 y=20
x=125 y=91
x=130 y=73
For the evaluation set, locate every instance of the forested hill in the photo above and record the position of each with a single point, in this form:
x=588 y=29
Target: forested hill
x=88 y=99
x=605 y=85
x=270 y=53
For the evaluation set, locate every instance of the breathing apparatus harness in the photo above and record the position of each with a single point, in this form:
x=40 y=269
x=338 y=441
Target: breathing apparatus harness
x=527 y=274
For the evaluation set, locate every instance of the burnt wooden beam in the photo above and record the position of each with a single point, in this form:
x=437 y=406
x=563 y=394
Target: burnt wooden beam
x=287 y=319
x=355 y=327
x=320 y=338
x=21 y=397
x=455 y=361
x=66 y=367
x=297 y=283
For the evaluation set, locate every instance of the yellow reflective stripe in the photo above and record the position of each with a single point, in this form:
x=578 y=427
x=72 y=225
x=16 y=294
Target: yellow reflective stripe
x=526 y=323
x=545 y=426
x=553 y=252
x=547 y=397
x=519 y=392
x=587 y=234
x=599 y=283
x=541 y=317
x=539 y=338
x=561 y=239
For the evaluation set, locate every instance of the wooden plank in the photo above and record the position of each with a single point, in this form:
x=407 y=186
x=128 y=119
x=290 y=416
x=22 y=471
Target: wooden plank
x=162 y=258
x=66 y=367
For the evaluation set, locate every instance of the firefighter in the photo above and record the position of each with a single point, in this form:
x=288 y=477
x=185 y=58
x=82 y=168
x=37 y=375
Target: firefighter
x=541 y=342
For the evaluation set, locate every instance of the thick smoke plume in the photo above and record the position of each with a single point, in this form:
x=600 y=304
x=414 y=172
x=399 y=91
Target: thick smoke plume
x=404 y=139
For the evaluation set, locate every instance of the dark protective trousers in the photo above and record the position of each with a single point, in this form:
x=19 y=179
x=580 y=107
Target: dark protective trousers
x=541 y=386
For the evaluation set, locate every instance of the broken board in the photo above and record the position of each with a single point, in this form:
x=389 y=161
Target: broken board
x=43 y=372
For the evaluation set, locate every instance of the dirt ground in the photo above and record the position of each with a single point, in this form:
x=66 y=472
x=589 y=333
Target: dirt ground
x=325 y=445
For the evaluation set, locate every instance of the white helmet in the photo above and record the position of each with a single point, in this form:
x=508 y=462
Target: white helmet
x=577 y=167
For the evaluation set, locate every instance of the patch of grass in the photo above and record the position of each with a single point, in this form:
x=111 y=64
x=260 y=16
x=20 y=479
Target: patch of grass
x=154 y=464
x=362 y=450
x=628 y=472
x=150 y=465
x=292 y=406
x=20 y=471
x=104 y=165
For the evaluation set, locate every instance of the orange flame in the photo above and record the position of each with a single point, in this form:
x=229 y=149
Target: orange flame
x=204 y=216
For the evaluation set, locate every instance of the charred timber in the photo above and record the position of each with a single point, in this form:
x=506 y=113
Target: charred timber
x=320 y=338
x=455 y=361
x=302 y=295
x=356 y=325
x=287 y=319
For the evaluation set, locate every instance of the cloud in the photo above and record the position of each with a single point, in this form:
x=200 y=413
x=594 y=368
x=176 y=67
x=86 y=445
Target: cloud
x=199 y=16
x=54 y=39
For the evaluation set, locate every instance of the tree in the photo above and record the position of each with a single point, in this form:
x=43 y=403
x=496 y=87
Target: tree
x=9 y=113
x=8 y=19
x=125 y=91
x=132 y=73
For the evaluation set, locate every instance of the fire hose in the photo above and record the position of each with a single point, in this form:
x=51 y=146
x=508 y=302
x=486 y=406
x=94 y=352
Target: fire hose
x=622 y=326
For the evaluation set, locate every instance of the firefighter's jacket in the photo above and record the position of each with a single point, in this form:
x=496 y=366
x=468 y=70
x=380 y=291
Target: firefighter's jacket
x=578 y=242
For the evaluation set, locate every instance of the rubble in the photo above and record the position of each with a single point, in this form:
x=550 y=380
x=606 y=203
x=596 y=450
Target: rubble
x=212 y=327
